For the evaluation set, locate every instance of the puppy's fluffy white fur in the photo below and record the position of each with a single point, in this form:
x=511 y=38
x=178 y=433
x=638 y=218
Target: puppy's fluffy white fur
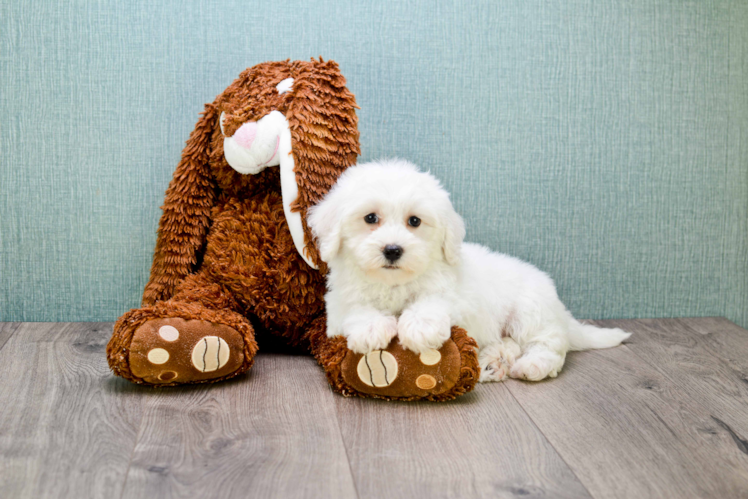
x=508 y=306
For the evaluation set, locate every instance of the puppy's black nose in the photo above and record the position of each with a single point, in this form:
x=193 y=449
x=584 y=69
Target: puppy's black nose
x=392 y=252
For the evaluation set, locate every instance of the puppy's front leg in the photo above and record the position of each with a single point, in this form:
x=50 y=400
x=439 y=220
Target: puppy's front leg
x=368 y=329
x=425 y=325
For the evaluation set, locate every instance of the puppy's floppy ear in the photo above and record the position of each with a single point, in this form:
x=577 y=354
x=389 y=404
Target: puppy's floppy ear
x=454 y=233
x=325 y=220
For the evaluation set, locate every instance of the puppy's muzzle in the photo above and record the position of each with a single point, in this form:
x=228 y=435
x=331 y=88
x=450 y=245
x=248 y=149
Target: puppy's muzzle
x=392 y=252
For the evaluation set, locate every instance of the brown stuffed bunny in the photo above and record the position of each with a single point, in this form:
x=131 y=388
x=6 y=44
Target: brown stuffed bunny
x=234 y=252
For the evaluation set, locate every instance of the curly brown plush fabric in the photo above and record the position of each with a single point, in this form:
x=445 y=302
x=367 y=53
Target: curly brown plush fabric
x=225 y=262
x=324 y=129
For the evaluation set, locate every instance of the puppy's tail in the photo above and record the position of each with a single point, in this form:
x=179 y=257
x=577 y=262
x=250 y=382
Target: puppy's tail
x=583 y=337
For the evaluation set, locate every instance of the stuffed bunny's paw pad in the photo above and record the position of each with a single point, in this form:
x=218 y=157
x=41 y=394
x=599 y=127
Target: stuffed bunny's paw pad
x=168 y=351
x=401 y=373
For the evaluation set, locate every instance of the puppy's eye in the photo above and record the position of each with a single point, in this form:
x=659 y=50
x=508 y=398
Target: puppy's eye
x=371 y=219
x=414 y=221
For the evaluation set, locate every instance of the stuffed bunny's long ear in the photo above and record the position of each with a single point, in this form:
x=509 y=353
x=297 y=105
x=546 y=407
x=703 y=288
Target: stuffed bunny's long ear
x=184 y=224
x=324 y=132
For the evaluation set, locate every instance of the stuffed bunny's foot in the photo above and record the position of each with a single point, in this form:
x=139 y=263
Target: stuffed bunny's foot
x=174 y=350
x=396 y=372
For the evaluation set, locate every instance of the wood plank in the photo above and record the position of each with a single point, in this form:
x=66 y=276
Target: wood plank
x=68 y=425
x=664 y=416
x=723 y=338
x=627 y=431
x=480 y=445
x=706 y=357
x=271 y=433
x=6 y=330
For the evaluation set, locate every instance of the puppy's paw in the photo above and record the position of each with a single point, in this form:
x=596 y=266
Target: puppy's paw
x=368 y=333
x=537 y=365
x=420 y=331
x=496 y=360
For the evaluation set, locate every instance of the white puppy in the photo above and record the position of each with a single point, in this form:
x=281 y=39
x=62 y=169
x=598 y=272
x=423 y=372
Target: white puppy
x=398 y=266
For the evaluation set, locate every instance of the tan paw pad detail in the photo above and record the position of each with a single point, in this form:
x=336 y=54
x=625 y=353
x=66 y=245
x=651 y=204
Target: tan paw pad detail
x=430 y=357
x=168 y=333
x=377 y=369
x=210 y=354
x=166 y=376
x=426 y=382
x=158 y=356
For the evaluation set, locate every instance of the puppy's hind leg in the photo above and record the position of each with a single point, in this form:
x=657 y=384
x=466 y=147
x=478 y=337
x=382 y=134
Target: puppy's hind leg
x=496 y=360
x=537 y=362
x=543 y=354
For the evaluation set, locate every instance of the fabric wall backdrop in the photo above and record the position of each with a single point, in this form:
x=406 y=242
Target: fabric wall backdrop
x=604 y=141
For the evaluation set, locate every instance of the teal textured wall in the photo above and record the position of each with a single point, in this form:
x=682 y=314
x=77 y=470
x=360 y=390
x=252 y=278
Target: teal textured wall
x=604 y=141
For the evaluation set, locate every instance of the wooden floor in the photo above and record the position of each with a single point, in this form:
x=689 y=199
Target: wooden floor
x=666 y=415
